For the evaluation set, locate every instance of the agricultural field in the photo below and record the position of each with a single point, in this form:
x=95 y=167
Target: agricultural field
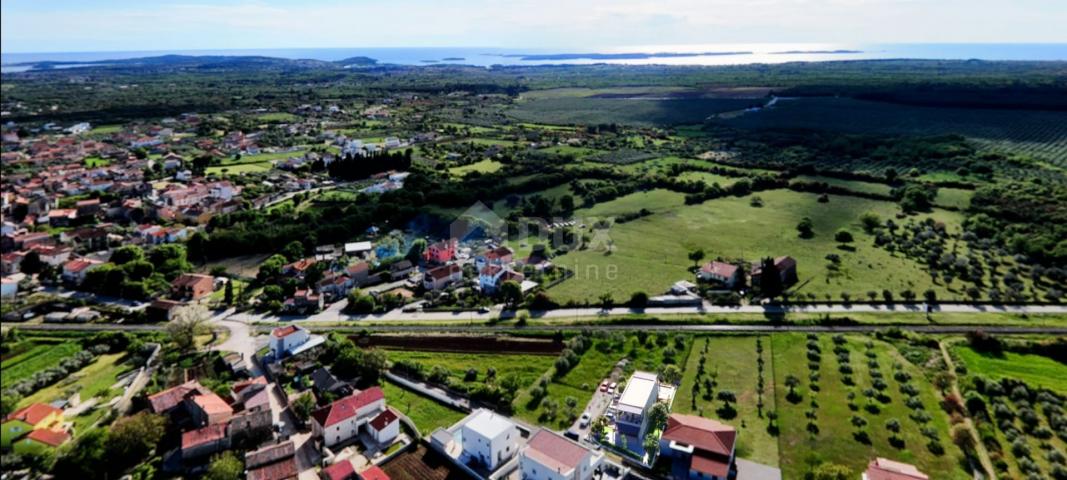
x=731 y=362
x=239 y=168
x=953 y=197
x=483 y=166
x=278 y=117
x=854 y=185
x=650 y=253
x=95 y=379
x=33 y=356
x=1036 y=370
x=634 y=107
x=838 y=420
x=1013 y=399
x=527 y=367
x=1042 y=134
x=426 y=413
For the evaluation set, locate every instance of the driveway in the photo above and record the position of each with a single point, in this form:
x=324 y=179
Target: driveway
x=749 y=470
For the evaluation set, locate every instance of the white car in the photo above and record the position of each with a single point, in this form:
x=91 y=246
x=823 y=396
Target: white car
x=584 y=420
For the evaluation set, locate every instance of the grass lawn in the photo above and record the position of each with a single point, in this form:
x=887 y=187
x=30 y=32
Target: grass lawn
x=953 y=197
x=263 y=157
x=277 y=117
x=93 y=380
x=105 y=129
x=708 y=178
x=239 y=169
x=834 y=442
x=95 y=162
x=41 y=356
x=1035 y=370
x=733 y=359
x=528 y=367
x=650 y=253
x=484 y=166
x=854 y=185
x=426 y=413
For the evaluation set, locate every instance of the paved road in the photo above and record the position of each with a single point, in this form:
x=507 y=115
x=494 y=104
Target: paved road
x=335 y=313
x=763 y=328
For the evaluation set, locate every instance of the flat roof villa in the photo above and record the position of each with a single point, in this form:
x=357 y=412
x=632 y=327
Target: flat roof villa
x=485 y=444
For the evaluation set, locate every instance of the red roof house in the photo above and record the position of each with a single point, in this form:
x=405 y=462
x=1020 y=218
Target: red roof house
x=885 y=469
x=698 y=445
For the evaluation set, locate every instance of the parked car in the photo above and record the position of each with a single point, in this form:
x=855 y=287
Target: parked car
x=584 y=420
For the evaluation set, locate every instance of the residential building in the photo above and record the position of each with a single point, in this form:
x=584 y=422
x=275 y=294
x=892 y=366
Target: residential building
x=291 y=340
x=192 y=286
x=37 y=439
x=441 y=252
x=492 y=276
x=204 y=441
x=167 y=400
x=720 y=272
x=488 y=439
x=551 y=456
x=786 y=267
x=304 y=300
x=9 y=287
x=699 y=448
x=161 y=309
x=885 y=469
x=273 y=462
x=495 y=256
x=341 y=420
x=29 y=419
x=385 y=427
x=342 y=470
x=208 y=409
x=642 y=391
x=441 y=277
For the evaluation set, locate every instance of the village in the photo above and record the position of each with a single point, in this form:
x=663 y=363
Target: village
x=411 y=285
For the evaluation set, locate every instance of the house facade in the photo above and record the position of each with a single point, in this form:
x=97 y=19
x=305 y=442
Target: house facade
x=283 y=340
x=489 y=439
x=551 y=456
x=341 y=420
x=192 y=286
x=441 y=277
x=720 y=272
x=699 y=448
x=642 y=391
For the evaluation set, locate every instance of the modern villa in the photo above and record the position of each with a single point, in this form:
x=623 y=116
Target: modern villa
x=640 y=394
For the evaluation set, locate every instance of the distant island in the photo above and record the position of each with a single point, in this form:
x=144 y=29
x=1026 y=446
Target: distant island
x=615 y=56
x=823 y=52
x=453 y=59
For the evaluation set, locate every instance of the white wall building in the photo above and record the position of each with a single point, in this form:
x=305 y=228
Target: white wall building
x=642 y=391
x=489 y=438
x=341 y=421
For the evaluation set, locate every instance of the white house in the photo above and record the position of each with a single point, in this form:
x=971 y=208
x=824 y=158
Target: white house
x=341 y=420
x=642 y=391
x=492 y=276
x=385 y=427
x=441 y=277
x=550 y=456
x=489 y=439
x=291 y=339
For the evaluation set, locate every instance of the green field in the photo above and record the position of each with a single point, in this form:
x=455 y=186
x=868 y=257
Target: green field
x=1035 y=370
x=96 y=162
x=834 y=441
x=953 y=197
x=577 y=383
x=40 y=356
x=426 y=413
x=277 y=117
x=649 y=254
x=483 y=166
x=528 y=367
x=733 y=360
x=240 y=168
x=708 y=178
x=854 y=185
x=95 y=379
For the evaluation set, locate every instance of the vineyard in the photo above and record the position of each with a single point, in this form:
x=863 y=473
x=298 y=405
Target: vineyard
x=1042 y=134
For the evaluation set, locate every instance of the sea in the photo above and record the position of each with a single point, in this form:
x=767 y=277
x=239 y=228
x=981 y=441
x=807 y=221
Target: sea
x=708 y=54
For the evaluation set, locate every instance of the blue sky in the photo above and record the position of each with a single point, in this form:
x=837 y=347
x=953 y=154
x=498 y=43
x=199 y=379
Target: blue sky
x=110 y=25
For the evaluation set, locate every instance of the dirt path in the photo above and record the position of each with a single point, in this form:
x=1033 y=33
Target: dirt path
x=983 y=455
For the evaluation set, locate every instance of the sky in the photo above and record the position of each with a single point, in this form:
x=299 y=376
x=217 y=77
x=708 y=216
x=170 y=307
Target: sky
x=125 y=25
